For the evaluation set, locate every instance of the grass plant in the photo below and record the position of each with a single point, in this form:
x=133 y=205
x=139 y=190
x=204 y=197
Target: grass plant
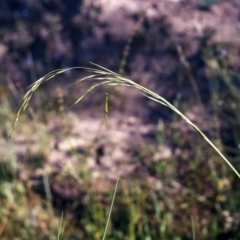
x=139 y=225
x=106 y=77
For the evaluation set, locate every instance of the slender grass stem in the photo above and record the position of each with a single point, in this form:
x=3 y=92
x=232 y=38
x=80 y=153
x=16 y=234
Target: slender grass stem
x=110 y=210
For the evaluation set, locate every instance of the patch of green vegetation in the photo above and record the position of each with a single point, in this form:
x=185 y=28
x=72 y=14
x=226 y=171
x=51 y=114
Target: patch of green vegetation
x=142 y=211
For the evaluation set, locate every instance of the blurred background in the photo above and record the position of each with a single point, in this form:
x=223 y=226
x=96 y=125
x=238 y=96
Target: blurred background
x=63 y=160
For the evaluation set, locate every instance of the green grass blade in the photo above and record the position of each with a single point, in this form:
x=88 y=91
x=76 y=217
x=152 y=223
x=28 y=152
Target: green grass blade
x=110 y=210
x=61 y=228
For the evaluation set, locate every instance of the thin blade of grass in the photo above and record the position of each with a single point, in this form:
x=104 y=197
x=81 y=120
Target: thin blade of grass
x=61 y=228
x=89 y=90
x=110 y=210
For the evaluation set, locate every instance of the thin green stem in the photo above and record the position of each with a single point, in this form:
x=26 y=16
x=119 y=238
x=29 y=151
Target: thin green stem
x=110 y=210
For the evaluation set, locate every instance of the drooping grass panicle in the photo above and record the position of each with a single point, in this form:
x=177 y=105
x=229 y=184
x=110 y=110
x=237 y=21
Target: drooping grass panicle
x=110 y=78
